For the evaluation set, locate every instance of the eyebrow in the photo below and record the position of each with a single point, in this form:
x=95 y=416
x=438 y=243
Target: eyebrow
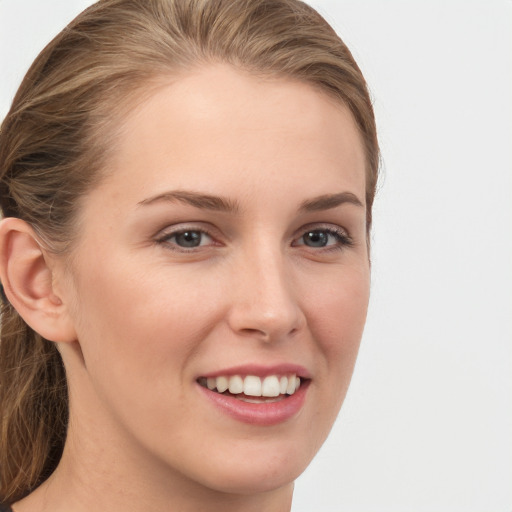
x=222 y=204
x=328 y=201
x=203 y=201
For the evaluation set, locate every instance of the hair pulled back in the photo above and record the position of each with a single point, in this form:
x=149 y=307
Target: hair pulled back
x=56 y=138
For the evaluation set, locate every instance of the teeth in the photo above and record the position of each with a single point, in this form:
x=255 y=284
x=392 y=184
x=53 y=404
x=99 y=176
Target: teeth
x=283 y=385
x=222 y=384
x=271 y=386
x=236 y=384
x=291 y=385
x=252 y=386
x=244 y=398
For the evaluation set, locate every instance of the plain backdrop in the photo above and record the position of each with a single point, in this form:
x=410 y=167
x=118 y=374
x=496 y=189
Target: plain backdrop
x=427 y=423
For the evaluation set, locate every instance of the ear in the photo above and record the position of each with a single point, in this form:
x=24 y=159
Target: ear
x=28 y=282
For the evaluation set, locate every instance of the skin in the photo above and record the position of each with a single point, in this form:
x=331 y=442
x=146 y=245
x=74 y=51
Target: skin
x=145 y=317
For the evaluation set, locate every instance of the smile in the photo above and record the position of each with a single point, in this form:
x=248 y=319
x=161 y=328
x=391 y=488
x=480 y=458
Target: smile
x=257 y=395
x=253 y=389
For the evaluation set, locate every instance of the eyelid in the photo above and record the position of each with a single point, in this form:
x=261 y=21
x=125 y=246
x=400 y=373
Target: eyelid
x=344 y=238
x=164 y=235
x=178 y=227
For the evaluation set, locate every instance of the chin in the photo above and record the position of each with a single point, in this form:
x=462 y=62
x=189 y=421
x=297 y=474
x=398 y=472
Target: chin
x=255 y=480
x=260 y=470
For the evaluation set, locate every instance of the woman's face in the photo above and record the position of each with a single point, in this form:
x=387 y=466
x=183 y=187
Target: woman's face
x=226 y=246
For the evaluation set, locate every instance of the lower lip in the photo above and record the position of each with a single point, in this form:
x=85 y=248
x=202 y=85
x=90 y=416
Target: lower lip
x=265 y=413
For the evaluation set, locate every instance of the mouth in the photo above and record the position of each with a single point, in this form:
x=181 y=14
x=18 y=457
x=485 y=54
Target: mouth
x=253 y=389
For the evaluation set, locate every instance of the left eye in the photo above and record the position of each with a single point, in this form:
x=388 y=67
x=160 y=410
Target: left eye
x=318 y=238
x=188 y=239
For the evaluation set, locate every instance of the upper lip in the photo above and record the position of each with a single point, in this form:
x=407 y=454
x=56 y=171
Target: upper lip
x=261 y=370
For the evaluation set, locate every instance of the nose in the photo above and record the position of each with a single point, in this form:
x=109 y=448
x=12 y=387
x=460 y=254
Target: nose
x=264 y=304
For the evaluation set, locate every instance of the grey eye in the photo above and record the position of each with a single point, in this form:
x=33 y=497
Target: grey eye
x=189 y=239
x=186 y=240
x=324 y=238
x=316 y=238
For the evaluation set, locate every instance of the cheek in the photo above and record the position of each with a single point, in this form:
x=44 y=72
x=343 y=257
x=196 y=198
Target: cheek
x=337 y=310
x=137 y=332
x=337 y=318
x=147 y=323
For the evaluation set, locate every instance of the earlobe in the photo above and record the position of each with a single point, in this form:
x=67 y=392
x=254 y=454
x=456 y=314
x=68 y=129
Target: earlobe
x=28 y=282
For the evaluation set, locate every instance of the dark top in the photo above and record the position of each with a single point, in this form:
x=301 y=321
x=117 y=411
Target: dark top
x=5 y=508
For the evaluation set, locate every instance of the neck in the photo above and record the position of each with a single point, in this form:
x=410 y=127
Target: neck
x=101 y=473
x=63 y=493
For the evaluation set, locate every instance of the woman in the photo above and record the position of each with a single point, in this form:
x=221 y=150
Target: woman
x=187 y=189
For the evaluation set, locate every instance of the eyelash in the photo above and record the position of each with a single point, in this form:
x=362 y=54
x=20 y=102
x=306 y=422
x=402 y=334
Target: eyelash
x=165 y=239
x=343 y=240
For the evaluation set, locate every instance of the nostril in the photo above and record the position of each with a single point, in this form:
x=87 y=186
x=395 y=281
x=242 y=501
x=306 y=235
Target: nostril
x=267 y=336
x=256 y=333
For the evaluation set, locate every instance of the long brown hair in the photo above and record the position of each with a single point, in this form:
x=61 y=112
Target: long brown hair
x=56 y=138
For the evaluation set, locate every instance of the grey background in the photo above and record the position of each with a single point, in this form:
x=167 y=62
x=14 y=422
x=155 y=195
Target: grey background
x=427 y=423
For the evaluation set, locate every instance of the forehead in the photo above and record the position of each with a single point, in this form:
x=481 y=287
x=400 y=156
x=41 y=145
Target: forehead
x=218 y=122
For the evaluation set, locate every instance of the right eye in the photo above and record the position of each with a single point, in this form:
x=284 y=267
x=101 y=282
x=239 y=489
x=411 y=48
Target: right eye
x=186 y=239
